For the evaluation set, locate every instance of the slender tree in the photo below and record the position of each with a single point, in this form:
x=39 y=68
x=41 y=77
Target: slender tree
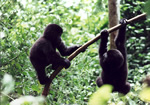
x=114 y=17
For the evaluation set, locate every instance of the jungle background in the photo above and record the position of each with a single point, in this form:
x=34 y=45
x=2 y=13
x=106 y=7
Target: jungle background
x=23 y=22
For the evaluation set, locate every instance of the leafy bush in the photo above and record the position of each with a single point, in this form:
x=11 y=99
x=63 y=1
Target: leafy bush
x=23 y=22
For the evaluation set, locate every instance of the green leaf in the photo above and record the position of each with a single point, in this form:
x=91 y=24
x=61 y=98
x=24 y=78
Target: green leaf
x=145 y=94
x=101 y=96
x=147 y=8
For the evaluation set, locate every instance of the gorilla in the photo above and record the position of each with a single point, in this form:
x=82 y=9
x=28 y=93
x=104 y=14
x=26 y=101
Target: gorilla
x=114 y=61
x=43 y=52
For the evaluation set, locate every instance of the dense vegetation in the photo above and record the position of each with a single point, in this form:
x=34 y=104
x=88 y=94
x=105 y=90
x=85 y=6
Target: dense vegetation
x=23 y=22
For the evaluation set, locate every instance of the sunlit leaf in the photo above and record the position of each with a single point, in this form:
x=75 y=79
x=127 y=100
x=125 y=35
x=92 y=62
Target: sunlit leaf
x=101 y=96
x=7 y=84
x=28 y=100
x=145 y=94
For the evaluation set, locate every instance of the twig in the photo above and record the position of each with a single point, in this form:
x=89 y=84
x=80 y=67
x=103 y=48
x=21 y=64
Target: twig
x=75 y=53
x=7 y=95
x=10 y=60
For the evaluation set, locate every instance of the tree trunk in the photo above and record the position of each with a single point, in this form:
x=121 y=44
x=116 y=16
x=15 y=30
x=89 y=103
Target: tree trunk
x=114 y=17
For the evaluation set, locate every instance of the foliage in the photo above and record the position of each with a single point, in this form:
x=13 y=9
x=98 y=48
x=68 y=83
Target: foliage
x=101 y=96
x=138 y=34
x=145 y=94
x=28 y=100
x=7 y=88
x=23 y=22
x=147 y=8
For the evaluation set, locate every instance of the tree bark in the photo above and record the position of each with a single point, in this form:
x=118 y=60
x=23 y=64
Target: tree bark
x=114 y=17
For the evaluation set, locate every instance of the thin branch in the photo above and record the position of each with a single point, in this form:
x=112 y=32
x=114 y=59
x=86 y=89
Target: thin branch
x=10 y=60
x=75 y=53
x=7 y=95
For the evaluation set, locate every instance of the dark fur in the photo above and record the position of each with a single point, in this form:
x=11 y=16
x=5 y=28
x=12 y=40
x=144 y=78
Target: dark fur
x=43 y=52
x=114 y=62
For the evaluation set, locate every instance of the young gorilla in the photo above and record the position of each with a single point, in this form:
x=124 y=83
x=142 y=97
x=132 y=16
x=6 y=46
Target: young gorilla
x=43 y=52
x=114 y=62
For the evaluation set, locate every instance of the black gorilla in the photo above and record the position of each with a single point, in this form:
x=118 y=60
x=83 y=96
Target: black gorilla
x=114 y=62
x=43 y=52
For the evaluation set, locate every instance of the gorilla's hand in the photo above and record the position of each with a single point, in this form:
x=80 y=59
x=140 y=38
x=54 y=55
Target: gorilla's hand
x=67 y=63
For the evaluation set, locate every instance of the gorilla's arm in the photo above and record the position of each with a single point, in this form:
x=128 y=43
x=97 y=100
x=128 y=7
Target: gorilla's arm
x=121 y=39
x=103 y=43
x=53 y=57
x=66 y=51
